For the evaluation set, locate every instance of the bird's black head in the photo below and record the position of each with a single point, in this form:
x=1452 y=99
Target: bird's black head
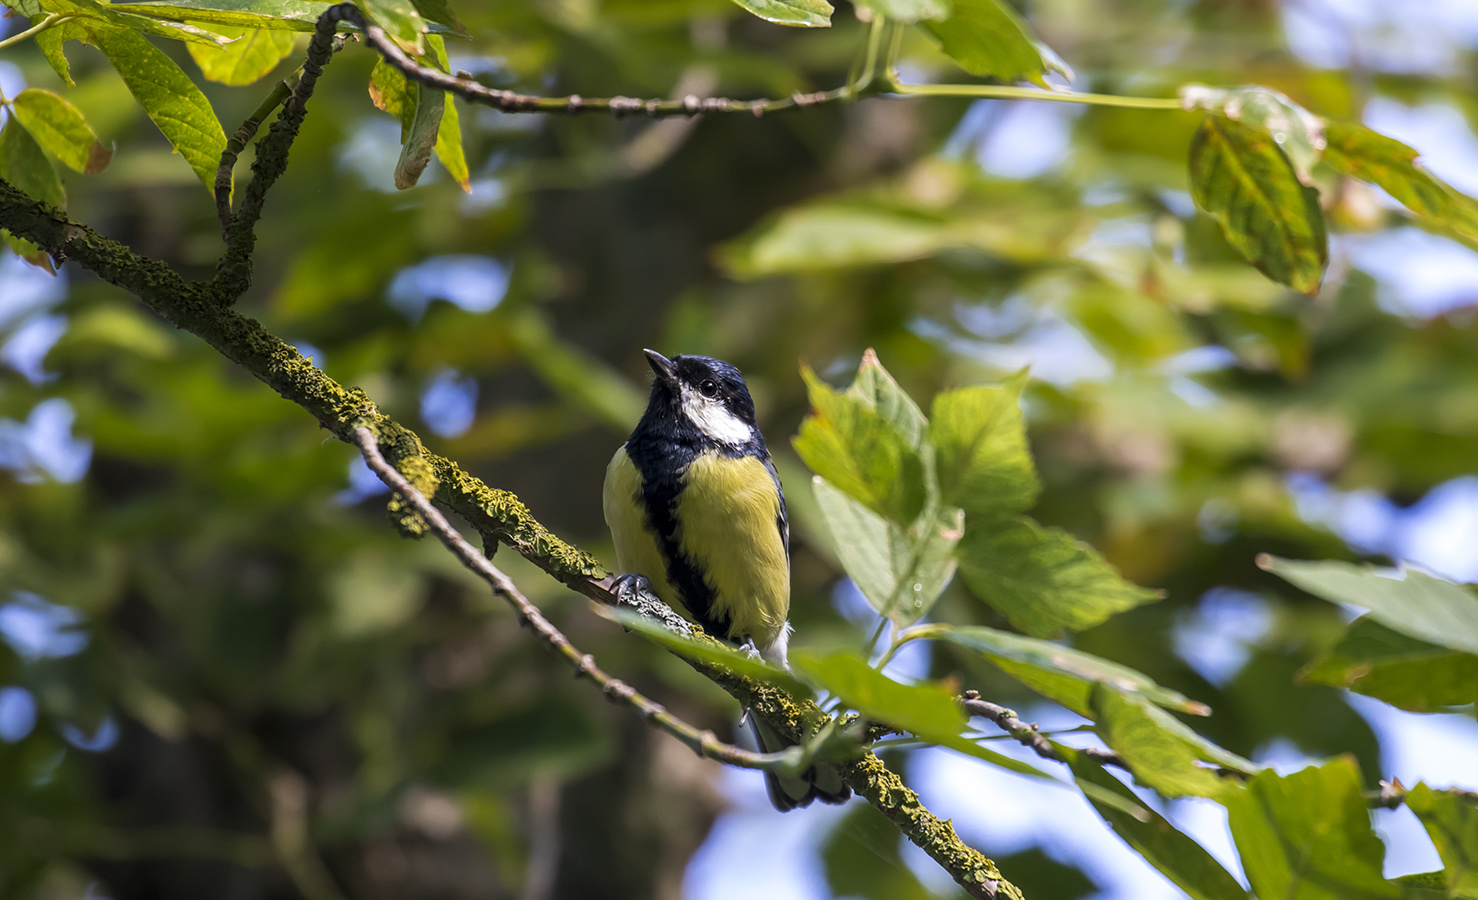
x=700 y=397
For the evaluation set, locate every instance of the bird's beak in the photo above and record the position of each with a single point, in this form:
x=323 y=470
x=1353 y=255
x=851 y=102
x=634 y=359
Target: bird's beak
x=662 y=366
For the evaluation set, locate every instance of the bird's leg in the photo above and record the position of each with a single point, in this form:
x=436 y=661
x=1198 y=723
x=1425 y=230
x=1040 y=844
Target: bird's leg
x=750 y=650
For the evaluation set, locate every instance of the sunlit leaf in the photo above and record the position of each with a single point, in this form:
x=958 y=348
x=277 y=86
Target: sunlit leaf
x=1042 y=579
x=254 y=54
x=1452 y=822
x=449 y=135
x=988 y=38
x=850 y=444
x=876 y=387
x=981 y=455
x=901 y=571
x=24 y=165
x=735 y=661
x=927 y=711
x=1176 y=855
x=1241 y=178
x=50 y=43
x=1298 y=132
x=1159 y=757
x=833 y=236
x=1055 y=671
x=1361 y=153
x=167 y=95
x=804 y=13
x=60 y=129
x=400 y=20
x=287 y=15
x=1414 y=675
x=907 y=10
x=1307 y=836
x=1415 y=604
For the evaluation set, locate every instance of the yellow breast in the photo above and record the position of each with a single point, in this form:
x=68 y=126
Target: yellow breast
x=727 y=523
x=727 y=527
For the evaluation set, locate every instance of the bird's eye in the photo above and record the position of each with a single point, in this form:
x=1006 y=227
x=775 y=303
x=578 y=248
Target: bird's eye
x=708 y=388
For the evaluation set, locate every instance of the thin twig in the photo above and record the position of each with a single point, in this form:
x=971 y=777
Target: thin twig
x=514 y=102
x=701 y=741
x=1028 y=735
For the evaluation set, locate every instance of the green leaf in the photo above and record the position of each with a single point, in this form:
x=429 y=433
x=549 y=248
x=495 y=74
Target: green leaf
x=1416 y=604
x=1160 y=758
x=1307 y=836
x=802 y=13
x=1361 y=153
x=901 y=571
x=862 y=859
x=419 y=140
x=1452 y=822
x=908 y=10
x=24 y=165
x=168 y=96
x=987 y=38
x=92 y=13
x=50 y=42
x=1243 y=180
x=1298 y=132
x=1042 y=579
x=440 y=12
x=849 y=443
x=254 y=54
x=1414 y=675
x=981 y=454
x=833 y=236
x=926 y=711
x=876 y=387
x=1181 y=859
x=400 y=20
x=283 y=15
x=733 y=660
x=449 y=136
x=60 y=129
x=1059 y=673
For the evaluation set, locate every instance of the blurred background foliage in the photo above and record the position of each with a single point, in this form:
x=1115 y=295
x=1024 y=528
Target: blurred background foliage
x=224 y=676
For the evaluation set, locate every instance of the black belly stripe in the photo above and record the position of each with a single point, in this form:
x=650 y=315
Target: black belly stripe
x=662 y=466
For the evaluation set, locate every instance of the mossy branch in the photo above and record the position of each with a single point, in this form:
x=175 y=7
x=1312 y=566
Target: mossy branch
x=203 y=310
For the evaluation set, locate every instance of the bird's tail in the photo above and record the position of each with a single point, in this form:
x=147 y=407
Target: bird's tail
x=820 y=782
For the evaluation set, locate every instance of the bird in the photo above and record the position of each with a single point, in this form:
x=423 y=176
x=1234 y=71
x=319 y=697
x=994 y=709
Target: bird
x=695 y=505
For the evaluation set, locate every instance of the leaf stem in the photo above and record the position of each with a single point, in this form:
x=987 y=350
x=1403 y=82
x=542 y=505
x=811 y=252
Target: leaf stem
x=50 y=21
x=1012 y=92
x=873 y=641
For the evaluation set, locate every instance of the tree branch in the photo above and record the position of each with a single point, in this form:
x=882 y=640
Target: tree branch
x=497 y=514
x=700 y=741
x=513 y=102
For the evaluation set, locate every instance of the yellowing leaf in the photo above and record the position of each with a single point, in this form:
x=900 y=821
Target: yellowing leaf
x=60 y=129
x=1243 y=180
x=254 y=54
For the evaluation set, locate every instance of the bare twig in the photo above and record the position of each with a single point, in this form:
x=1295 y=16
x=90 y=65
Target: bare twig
x=701 y=741
x=513 y=102
x=1028 y=735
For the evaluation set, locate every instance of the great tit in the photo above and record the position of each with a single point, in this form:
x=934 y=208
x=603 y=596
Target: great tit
x=694 y=503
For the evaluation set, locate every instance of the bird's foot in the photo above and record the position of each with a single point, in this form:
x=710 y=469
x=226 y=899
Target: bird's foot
x=750 y=650
x=629 y=588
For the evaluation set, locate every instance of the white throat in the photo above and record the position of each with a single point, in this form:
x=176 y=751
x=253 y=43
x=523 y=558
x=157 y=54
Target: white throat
x=713 y=418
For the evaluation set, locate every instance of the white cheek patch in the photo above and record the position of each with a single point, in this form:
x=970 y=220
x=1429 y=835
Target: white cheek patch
x=713 y=418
